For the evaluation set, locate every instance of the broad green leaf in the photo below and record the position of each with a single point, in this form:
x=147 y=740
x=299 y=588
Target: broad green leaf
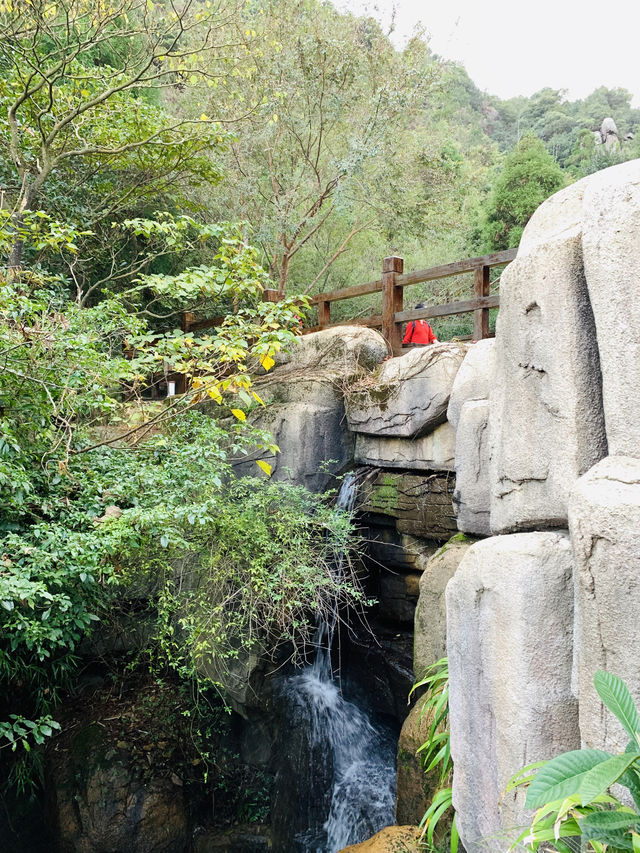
x=597 y=780
x=597 y=824
x=535 y=835
x=562 y=776
x=615 y=695
x=631 y=779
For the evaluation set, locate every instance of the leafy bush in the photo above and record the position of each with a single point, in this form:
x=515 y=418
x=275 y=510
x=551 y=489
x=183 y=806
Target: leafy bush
x=571 y=792
x=436 y=750
x=95 y=487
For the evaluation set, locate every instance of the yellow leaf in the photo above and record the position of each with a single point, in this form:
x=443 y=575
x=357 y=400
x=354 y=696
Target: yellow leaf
x=204 y=117
x=267 y=362
x=84 y=93
x=214 y=394
x=265 y=466
x=240 y=415
x=257 y=398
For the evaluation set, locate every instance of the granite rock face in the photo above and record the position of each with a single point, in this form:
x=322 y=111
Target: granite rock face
x=338 y=350
x=429 y=643
x=314 y=444
x=472 y=496
x=611 y=246
x=305 y=407
x=99 y=802
x=408 y=396
x=546 y=418
x=418 y=504
x=472 y=380
x=432 y=452
x=604 y=519
x=510 y=647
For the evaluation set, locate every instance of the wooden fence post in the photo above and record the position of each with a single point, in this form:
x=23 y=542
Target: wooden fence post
x=186 y=320
x=324 y=314
x=481 y=287
x=391 y=302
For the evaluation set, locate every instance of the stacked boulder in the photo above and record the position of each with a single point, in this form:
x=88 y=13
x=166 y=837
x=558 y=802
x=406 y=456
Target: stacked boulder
x=304 y=411
x=548 y=463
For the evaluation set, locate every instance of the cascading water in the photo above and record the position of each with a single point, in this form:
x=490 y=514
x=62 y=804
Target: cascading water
x=349 y=790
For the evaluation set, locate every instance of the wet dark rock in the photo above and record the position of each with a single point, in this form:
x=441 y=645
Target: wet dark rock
x=101 y=803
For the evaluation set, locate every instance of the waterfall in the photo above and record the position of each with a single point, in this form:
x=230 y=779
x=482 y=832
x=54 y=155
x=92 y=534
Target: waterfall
x=349 y=792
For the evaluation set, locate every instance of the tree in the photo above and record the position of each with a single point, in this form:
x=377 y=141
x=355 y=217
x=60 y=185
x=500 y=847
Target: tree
x=79 y=84
x=529 y=176
x=334 y=102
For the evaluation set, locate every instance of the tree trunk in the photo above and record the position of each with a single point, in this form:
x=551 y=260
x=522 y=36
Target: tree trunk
x=284 y=276
x=15 y=255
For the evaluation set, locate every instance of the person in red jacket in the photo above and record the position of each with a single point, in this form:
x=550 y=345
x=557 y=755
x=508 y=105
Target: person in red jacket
x=418 y=332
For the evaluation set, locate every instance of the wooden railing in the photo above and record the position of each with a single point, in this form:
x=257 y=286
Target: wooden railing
x=392 y=285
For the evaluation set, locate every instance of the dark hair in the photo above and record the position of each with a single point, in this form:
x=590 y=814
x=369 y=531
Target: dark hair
x=420 y=305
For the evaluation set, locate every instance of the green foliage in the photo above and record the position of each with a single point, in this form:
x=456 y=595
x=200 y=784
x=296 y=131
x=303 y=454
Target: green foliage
x=529 y=176
x=71 y=448
x=436 y=750
x=260 y=563
x=571 y=791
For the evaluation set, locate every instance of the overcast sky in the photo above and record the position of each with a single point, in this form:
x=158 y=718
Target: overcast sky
x=517 y=47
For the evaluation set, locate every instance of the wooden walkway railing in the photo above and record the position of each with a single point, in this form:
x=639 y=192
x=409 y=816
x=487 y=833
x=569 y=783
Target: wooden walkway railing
x=392 y=285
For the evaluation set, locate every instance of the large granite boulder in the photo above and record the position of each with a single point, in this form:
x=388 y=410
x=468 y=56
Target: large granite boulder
x=429 y=643
x=313 y=443
x=304 y=409
x=408 y=396
x=472 y=380
x=392 y=839
x=337 y=350
x=604 y=519
x=510 y=648
x=472 y=495
x=432 y=452
x=546 y=419
x=611 y=246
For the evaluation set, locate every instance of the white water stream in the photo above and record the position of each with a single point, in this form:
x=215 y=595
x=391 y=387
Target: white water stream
x=358 y=758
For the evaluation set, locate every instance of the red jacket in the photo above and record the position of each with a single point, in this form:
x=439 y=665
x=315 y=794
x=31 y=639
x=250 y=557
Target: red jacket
x=419 y=332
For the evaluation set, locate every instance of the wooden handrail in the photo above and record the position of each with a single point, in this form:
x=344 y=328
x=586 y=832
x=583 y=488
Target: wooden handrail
x=419 y=276
x=392 y=285
x=348 y=292
x=448 y=308
x=468 y=265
